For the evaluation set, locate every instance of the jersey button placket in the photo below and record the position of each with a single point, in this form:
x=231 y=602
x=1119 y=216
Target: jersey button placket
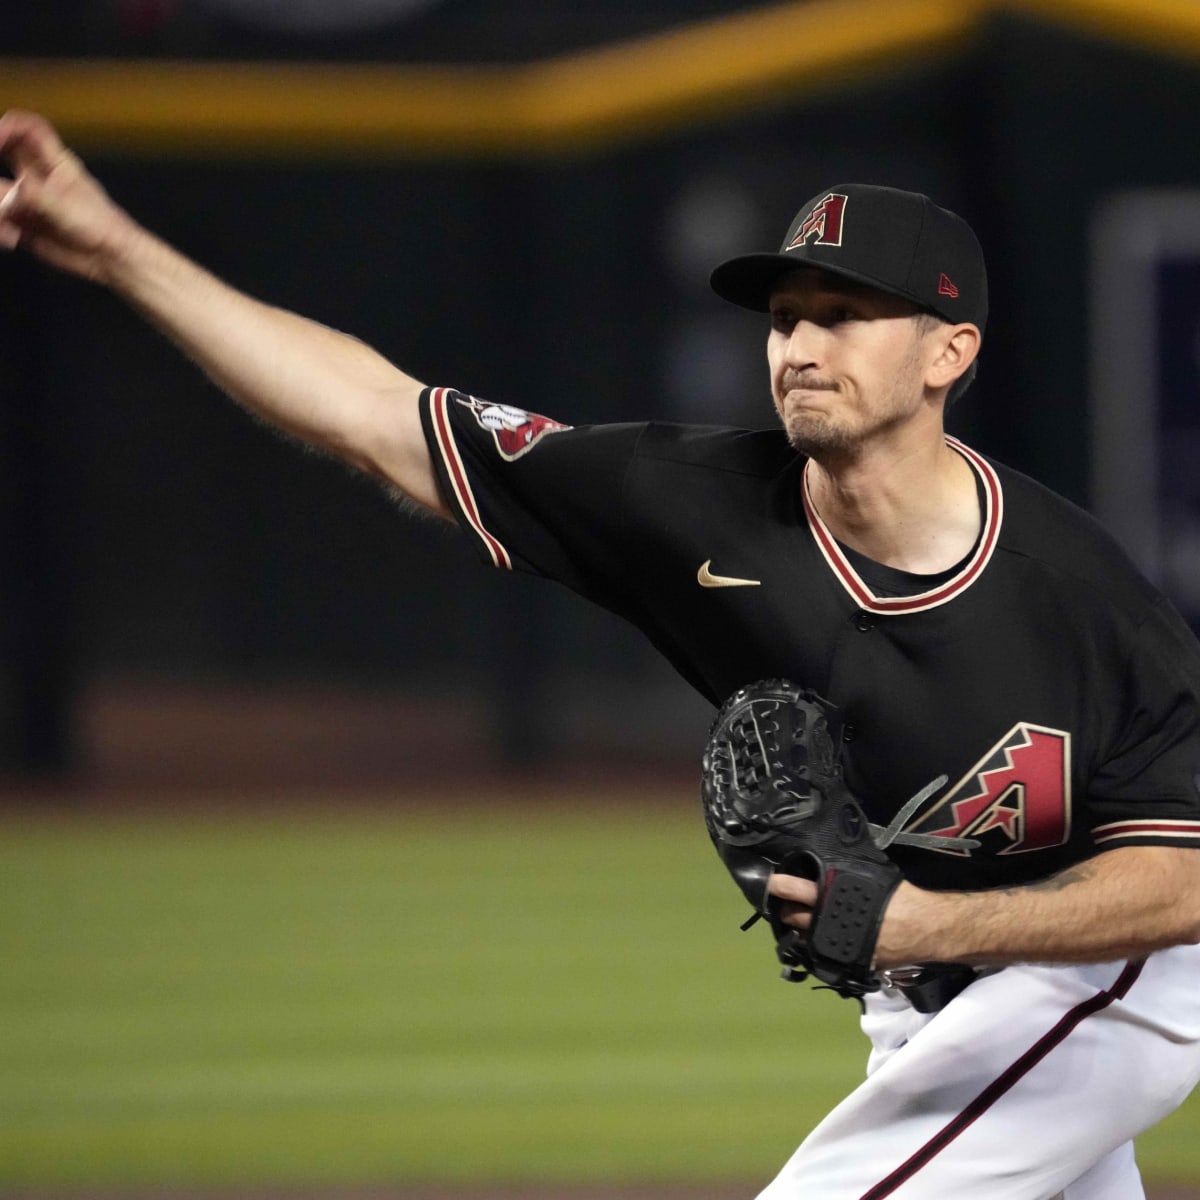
x=864 y=621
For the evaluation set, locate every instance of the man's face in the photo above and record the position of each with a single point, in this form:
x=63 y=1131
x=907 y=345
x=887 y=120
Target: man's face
x=847 y=362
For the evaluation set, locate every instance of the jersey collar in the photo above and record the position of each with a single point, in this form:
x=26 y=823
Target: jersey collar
x=862 y=595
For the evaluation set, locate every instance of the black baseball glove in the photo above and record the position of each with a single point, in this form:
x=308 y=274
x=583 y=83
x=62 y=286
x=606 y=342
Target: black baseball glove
x=774 y=801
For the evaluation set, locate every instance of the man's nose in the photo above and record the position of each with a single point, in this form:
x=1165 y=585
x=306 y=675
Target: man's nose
x=803 y=347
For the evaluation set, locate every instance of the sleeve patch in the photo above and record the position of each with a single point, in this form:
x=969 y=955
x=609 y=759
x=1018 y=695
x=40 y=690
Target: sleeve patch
x=515 y=431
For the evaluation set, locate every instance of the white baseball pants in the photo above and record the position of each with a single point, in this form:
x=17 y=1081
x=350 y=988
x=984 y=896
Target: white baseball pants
x=1029 y=1085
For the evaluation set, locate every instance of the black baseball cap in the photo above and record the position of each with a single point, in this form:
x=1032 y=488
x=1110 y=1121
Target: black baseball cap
x=899 y=242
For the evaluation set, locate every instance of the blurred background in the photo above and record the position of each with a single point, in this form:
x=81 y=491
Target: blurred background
x=523 y=201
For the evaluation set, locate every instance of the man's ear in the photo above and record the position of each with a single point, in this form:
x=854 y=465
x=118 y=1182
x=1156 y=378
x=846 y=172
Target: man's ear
x=958 y=347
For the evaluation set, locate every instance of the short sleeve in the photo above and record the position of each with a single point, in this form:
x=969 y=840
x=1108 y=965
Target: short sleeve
x=534 y=494
x=1147 y=792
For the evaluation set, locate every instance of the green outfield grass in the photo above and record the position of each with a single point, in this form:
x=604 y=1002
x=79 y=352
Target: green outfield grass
x=355 y=995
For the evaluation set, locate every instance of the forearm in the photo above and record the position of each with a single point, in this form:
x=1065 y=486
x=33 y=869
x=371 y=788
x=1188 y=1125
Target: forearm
x=324 y=387
x=1122 y=904
x=321 y=386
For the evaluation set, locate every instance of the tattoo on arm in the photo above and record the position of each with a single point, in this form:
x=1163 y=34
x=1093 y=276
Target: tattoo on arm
x=1079 y=873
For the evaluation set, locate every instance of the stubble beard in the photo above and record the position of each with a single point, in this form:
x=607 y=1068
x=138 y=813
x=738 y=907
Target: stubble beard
x=825 y=438
x=817 y=436
x=809 y=432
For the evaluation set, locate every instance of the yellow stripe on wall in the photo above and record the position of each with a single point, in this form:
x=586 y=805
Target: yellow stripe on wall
x=760 y=58
x=265 y=108
x=715 y=68
x=1163 y=26
x=768 y=55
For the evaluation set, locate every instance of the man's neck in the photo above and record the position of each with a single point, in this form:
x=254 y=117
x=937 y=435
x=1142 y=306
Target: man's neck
x=915 y=511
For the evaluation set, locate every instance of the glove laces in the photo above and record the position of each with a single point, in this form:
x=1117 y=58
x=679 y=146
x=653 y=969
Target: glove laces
x=893 y=834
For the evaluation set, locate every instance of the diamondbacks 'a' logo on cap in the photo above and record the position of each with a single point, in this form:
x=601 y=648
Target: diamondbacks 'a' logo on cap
x=823 y=224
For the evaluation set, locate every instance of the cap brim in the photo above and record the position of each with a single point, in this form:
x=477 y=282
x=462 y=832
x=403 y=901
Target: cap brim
x=749 y=280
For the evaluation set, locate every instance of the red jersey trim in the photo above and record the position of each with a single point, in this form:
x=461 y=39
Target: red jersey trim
x=456 y=472
x=1168 y=830
x=862 y=595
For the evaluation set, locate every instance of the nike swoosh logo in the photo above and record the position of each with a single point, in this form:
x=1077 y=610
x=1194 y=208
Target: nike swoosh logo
x=705 y=578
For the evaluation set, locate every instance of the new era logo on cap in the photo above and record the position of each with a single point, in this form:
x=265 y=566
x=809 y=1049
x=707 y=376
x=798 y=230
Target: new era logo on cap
x=899 y=242
x=946 y=286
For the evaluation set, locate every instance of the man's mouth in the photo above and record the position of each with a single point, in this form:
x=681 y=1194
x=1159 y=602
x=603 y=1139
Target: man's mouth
x=807 y=383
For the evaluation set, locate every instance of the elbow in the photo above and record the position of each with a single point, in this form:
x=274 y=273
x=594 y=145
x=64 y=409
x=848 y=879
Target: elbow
x=1190 y=934
x=1181 y=918
x=1182 y=921
x=1187 y=904
x=1171 y=877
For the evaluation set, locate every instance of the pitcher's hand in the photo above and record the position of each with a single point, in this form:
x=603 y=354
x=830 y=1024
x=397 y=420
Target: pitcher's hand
x=52 y=206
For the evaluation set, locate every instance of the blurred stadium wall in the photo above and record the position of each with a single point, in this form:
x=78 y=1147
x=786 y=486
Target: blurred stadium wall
x=524 y=202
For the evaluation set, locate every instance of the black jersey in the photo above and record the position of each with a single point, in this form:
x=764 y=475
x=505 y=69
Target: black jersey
x=1052 y=685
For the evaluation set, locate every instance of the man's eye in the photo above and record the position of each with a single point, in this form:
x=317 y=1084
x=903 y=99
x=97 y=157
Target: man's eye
x=782 y=320
x=844 y=314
